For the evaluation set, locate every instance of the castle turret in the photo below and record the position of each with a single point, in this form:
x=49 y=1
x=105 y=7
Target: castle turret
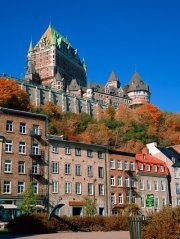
x=113 y=81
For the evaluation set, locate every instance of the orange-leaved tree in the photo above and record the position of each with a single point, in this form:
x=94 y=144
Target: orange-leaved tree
x=12 y=96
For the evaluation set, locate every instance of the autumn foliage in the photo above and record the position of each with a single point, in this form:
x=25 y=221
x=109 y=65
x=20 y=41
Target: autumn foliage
x=12 y=96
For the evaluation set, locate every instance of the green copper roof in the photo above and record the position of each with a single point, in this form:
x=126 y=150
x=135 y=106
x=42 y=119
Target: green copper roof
x=57 y=37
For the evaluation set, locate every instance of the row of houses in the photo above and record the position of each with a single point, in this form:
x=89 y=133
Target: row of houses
x=68 y=172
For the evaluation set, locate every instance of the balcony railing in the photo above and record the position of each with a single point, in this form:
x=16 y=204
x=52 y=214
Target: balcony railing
x=37 y=133
x=39 y=154
x=38 y=172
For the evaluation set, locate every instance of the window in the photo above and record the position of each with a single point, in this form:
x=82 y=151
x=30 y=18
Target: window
x=21 y=187
x=78 y=188
x=67 y=168
x=156 y=185
x=22 y=128
x=119 y=164
x=90 y=171
x=100 y=172
x=147 y=167
x=163 y=201
x=8 y=146
x=113 y=183
x=78 y=170
x=67 y=150
x=113 y=198
x=178 y=201
x=67 y=187
x=126 y=165
x=141 y=166
x=21 y=167
x=176 y=172
x=34 y=168
x=9 y=126
x=120 y=198
x=156 y=202
x=141 y=184
x=101 y=189
x=55 y=167
x=177 y=188
x=35 y=130
x=90 y=188
x=163 y=185
x=126 y=181
x=89 y=153
x=35 y=187
x=148 y=184
x=35 y=149
x=132 y=166
x=155 y=168
x=133 y=198
x=132 y=182
x=161 y=169
x=142 y=201
x=100 y=155
x=112 y=163
x=77 y=151
x=127 y=197
x=119 y=181
x=22 y=147
x=55 y=187
x=8 y=166
x=55 y=148
x=7 y=187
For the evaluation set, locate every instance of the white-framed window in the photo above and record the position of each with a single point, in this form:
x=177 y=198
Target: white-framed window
x=8 y=166
x=148 y=184
x=22 y=147
x=126 y=181
x=163 y=185
x=54 y=148
x=177 y=188
x=101 y=189
x=89 y=153
x=35 y=187
x=163 y=201
x=90 y=188
x=68 y=187
x=132 y=166
x=8 y=146
x=7 y=187
x=35 y=149
x=155 y=168
x=100 y=154
x=55 y=187
x=132 y=182
x=141 y=166
x=113 y=198
x=77 y=151
x=90 y=171
x=112 y=163
x=35 y=168
x=127 y=197
x=67 y=150
x=67 y=168
x=156 y=185
x=178 y=201
x=113 y=181
x=78 y=188
x=9 y=126
x=21 y=187
x=161 y=169
x=35 y=129
x=100 y=172
x=22 y=128
x=148 y=167
x=133 y=198
x=55 y=167
x=21 y=167
x=120 y=196
x=78 y=170
x=176 y=173
x=120 y=184
x=142 y=201
x=141 y=184
x=126 y=165
x=119 y=164
x=156 y=202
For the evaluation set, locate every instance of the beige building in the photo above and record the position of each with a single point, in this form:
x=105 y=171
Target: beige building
x=77 y=171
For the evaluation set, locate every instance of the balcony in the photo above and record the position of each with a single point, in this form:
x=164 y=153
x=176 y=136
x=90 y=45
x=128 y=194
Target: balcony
x=38 y=154
x=36 y=133
x=37 y=172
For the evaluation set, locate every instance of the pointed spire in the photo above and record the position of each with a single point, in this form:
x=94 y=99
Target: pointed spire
x=89 y=85
x=30 y=46
x=113 y=77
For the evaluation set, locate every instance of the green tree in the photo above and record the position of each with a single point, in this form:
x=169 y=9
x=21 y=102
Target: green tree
x=29 y=201
x=89 y=207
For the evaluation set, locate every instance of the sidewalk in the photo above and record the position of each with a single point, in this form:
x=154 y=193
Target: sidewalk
x=72 y=235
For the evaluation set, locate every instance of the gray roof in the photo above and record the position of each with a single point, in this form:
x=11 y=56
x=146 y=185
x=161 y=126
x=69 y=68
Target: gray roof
x=112 y=77
x=171 y=153
x=137 y=84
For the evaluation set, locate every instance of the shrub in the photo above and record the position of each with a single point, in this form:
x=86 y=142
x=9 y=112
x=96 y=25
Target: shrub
x=163 y=225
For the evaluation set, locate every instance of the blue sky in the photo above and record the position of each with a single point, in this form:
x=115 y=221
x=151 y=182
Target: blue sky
x=123 y=35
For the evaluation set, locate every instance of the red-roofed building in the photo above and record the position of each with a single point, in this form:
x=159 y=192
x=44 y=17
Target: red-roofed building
x=152 y=179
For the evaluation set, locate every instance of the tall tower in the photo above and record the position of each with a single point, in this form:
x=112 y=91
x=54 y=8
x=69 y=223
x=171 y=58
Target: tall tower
x=54 y=54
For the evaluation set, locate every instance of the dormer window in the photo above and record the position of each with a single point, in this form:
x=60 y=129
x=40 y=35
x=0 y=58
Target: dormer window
x=147 y=167
x=107 y=91
x=161 y=169
x=173 y=159
x=141 y=166
x=155 y=168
